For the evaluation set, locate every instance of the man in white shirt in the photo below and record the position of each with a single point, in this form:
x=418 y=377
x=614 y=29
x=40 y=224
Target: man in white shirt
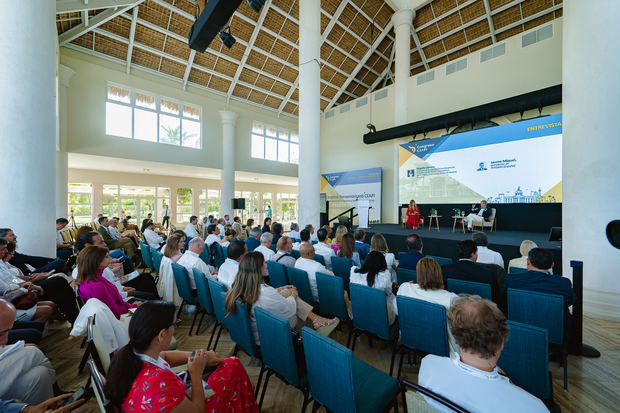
x=63 y=249
x=221 y=224
x=472 y=381
x=229 y=269
x=191 y=259
x=294 y=233
x=478 y=215
x=190 y=229
x=310 y=229
x=307 y=263
x=283 y=253
x=165 y=213
x=304 y=237
x=265 y=244
x=226 y=219
x=152 y=238
x=213 y=235
x=323 y=249
x=485 y=255
x=116 y=234
x=203 y=227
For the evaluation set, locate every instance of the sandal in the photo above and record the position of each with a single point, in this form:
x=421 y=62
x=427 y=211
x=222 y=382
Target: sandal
x=322 y=322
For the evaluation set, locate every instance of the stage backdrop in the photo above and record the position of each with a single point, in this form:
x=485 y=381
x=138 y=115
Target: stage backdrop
x=519 y=162
x=343 y=189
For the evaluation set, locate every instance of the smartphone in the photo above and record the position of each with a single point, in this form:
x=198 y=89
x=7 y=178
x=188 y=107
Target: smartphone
x=76 y=395
x=191 y=358
x=47 y=274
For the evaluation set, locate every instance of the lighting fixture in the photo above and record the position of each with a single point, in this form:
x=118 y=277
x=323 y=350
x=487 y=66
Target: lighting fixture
x=227 y=38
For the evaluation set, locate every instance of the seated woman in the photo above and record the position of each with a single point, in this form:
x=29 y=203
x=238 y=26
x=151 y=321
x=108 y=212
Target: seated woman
x=327 y=228
x=238 y=228
x=378 y=243
x=91 y=262
x=174 y=246
x=249 y=287
x=140 y=377
x=248 y=227
x=266 y=225
x=230 y=235
x=340 y=231
x=347 y=249
x=375 y=273
x=413 y=215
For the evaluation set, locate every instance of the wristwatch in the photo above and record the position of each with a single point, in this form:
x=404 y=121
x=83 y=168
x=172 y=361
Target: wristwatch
x=23 y=408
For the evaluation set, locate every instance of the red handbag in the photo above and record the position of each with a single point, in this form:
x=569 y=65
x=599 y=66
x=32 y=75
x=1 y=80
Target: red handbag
x=26 y=300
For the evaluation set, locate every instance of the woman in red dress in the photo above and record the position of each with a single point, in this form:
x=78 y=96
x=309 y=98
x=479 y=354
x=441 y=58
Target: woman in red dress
x=413 y=215
x=140 y=377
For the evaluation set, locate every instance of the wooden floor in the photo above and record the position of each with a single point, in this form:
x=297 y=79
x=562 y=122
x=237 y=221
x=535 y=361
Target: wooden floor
x=593 y=384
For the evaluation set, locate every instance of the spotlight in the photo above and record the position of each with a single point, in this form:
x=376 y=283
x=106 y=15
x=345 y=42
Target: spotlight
x=227 y=38
x=256 y=4
x=371 y=128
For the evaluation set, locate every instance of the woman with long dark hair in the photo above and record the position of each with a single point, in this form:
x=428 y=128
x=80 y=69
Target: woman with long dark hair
x=375 y=273
x=266 y=225
x=140 y=377
x=347 y=249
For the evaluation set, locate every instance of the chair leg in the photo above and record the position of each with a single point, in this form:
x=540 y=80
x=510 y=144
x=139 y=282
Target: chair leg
x=565 y=361
x=396 y=403
x=84 y=359
x=202 y=317
x=260 y=377
x=262 y=395
x=394 y=349
x=400 y=365
x=193 y=322
x=307 y=400
x=355 y=336
x=215 y=325
x=349 y=338
x=180 y=308
x=403 y=392
x=236 y=351
x=218 y=336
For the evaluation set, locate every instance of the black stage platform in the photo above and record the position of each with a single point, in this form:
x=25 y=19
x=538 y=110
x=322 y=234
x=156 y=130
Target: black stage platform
x=443 y=243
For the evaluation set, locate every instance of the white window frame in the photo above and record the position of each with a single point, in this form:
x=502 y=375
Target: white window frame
x=288 y=140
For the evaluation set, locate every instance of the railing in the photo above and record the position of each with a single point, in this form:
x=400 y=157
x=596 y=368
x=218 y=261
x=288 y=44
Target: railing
x=348 y=211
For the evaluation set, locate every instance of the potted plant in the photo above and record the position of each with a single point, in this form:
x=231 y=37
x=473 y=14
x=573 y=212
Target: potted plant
x=433 y=211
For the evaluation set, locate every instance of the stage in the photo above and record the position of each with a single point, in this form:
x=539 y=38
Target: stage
x=443 y=243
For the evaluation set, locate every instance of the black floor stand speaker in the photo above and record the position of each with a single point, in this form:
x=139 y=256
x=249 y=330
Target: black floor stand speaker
x=580 y=348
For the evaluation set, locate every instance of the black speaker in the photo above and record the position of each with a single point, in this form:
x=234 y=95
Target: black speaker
x=237 y=203
x=555 y=234
x=211 y=21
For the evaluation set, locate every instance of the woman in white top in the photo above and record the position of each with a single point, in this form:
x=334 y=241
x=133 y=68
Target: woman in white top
x=174 y=246
x=250 y=289
x=374 y=273
x=378 y=243
x=430 y=288
x=524 y=249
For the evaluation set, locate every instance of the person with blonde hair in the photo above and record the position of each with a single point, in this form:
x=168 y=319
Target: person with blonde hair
x=524 y=249
x=378 y=243
x=238 y=228
x=328 y=229
x=251 y=290
x=340 y=231
x=174 y=246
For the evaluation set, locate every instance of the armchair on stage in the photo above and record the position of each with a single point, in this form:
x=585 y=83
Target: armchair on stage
x=403 y=217
x=491 y=223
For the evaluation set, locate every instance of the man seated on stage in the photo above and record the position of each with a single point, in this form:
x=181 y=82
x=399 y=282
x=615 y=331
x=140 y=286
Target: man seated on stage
x=410 y=259
x=467 y=270
x=22 y=261
x=485 y=255
x=190 y=229
x=114 y=244
x=478 y=215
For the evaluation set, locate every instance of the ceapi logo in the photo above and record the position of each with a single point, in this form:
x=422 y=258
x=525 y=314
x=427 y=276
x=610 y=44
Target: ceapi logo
x=412 y=148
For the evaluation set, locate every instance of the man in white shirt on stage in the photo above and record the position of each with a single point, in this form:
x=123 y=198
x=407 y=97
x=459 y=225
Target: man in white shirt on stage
x=322 y=248
x=486 y=255
x=191 y=259
x=307 y=263
x=213 y=235
x=190 y=229
x=229 y=269
x=478 y=215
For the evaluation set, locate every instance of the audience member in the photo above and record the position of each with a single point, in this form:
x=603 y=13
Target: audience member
x=322 y=248
x=63 y=249
x=175 y=244
x=465 y=268
x=190 y=228
x=227 y=219
x=310 y=228
x=117 y=234
x=374 y=273
x=84 y=229
x=265 y=245
x=486 y=255
x=236 y=225
x=221 y=225
x=250 y=289
x=253 y=239
x=249 y=225
x=294 y=232
x=227 y=272
x=409 y=260
x=307 y=263
x=473 y=380
x=347 y=249
x=229 y=235
x=283 y=252
x=213 y=234
x=266 y=225
x=328 y=229
x=524 y=249
x=31 y=332
x=191 y=259
x=140 y=377
x=278 y=231
x=340 y=231
x=362 y=248
x=21 y=261
x=378 y=243
x=124 y=243
x=304 y=237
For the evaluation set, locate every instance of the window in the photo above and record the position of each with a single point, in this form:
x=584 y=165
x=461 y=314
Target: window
x=203 y=203
x=251 y=206
x=143 y=116
x=287 y=208
x=274 y=144
x=80 y=202
x=185 y=207
x=110 y=201
x=213 y=202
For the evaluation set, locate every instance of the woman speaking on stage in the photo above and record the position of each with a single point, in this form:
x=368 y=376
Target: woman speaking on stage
x=413 y=215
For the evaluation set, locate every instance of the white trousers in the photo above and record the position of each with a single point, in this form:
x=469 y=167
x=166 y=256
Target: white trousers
x=26 y=375
x=471 y=218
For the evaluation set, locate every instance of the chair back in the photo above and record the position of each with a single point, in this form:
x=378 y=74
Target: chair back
x=277 y=274
x=202 y=290
x=145 y=252
x=417 y=403
x=217 y=252
x=240 y=328
x=331 y=296
x=332 y=387
x=204 y=255
x=156 y=256
x=525 y=358
x=342 y=268
x=538 y=309
x=218 y=292
x=441 y=260
x=98 y=383
x=295 y=254
x=299 y=278
x=404 y=275
x=470 y=287
x=94 y=335
x=369 y=307
x=320 y=259
x=277 y=348
x=423 y=326
x=516 y=270
x=182 y=281
x=273 y=248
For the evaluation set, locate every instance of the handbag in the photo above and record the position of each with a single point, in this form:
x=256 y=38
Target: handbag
x=26 y=300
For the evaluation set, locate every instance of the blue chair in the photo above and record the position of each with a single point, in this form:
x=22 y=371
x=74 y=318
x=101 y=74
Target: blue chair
x=423 y=328
x=187 y=240
x=277 y=274
x=470 y=287
x=240 y=329
x=204 y=255
x=342 y=268
x=320 y=259
x=278 y=353
x=525 y=359
x=419 y=403
x=403 y=275
x=145 y=252
x=295 y=240
x=218 y=292
x=295 y=254
x=331 y=296
x=314 y=242
x=299 y=278
x=273 y=248
x=370 y=316
x=541 y=310
x=204 y=298
x=217 y=253
x=185 y=291
x=224 y=253
x=343 y=383
x=515 y=270
x=441 y=260
x=156 y=257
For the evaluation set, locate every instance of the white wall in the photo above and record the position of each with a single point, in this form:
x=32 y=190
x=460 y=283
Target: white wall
x=519 y=71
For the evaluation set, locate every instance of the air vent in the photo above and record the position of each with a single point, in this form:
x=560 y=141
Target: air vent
x=381 y=94
x=425 y=77
x=493 y=52
x=329 y=114
x=536 y=36
x=345 y=108
x=361 y=102
x=456 y=66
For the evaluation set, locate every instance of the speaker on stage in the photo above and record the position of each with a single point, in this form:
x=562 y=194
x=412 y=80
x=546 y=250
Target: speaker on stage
x=237 y=203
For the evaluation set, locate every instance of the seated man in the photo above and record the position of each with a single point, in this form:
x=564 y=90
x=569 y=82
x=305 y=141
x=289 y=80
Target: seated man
x=322 y=248
x=25 y=374
x=117 y=234
x=191 y=259
x=152 y=238
x=294 y=232
x=227 y=272
x=278 y=231
x=253 y=240
x=307 y=263
x=478 y=215
x=264 y=248
x=113 y=244
x=190 y=228
x=283 y=253
x=213 y=234
x=411 y=258
x=304 y=237
x=360 y=245
x=23 y=261
x=466 y=269
x=473 y=380
x=63 y=249
x=310 y=228
x=221 y=225
x=485 y=255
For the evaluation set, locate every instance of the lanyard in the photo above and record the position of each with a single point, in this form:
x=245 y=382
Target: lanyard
x=161 y=363
x=488 y=375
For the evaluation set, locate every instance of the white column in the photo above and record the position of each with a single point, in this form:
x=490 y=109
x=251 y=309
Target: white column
x=28 y=119
x=62 y=159
x=228 y=160
x=590 y=172
x=309 y=112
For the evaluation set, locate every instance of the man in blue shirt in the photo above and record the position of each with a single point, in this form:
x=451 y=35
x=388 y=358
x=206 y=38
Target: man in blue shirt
x=410 y=259
x=360 y=245
x=253 y=240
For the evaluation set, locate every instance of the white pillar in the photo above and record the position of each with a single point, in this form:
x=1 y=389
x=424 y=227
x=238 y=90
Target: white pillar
x=28 y=119
x=62 y=159
x=590 y=172
x=228 y=160
x=309 y=112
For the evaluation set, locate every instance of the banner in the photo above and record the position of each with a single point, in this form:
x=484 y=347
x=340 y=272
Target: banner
x=344 y=189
